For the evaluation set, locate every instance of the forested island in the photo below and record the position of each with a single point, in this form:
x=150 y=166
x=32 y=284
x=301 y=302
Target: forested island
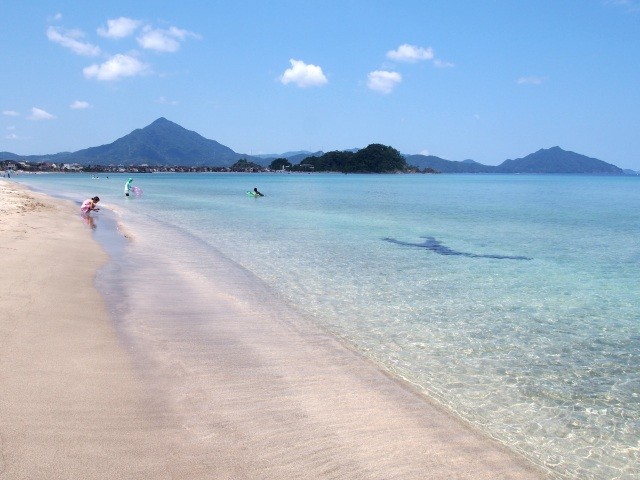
x=375 y=158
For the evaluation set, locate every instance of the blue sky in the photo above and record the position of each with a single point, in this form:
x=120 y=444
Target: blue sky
x=487 y=80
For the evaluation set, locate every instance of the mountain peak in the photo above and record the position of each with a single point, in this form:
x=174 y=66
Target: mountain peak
x=160 y=121
x=555 y=150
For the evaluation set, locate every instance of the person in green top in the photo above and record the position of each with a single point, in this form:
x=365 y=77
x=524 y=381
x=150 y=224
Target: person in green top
x=127 y=187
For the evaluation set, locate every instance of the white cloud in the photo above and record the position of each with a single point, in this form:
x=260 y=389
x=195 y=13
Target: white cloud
x=442 y=64
x=11 y=135
x=383 y=81
x=303 y=75
x=163 y=40
x=425 y=152
x=71 y=40
x=410 y=54
x=10 y=113
x=115 y=68
x=119 y=27
x=531 y=80
x=39 y=114
x=79 y=105
x=166 y=101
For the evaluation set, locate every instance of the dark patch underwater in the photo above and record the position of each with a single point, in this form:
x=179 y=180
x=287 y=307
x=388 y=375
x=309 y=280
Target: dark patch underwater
x=430 y=243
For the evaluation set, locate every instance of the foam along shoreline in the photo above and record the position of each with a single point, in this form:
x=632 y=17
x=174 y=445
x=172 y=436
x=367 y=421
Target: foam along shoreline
x=241 y=394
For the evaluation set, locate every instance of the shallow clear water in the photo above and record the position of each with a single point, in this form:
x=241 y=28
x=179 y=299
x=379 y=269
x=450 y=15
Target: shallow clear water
x=514 y=299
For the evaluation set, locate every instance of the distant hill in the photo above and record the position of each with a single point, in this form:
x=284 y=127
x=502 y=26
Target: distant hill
x=551 y=160
x=56 y=157
x=447 y=166
x=164 y=143
x=160 y=143
x=557 y=160
x=299 y=157
x=9 y=156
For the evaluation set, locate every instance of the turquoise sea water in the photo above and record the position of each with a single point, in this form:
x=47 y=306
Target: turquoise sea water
x=514 y=300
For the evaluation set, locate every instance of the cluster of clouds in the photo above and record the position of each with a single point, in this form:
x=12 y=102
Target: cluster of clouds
x=110 y=67
x=383 y=81
x=36 y=114
x=114 y=67
x=117 y=66
x=40 y=114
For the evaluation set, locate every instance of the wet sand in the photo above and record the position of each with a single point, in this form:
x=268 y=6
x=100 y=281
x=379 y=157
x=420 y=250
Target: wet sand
x=242 y=395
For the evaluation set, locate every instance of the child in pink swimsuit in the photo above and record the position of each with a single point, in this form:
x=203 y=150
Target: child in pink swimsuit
x=90 y=204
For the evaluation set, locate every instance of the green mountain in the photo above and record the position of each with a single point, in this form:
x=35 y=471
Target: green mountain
x=551 y=160
x=447 y=166
x=557 y=160
x=160 y=143
x=10 y=156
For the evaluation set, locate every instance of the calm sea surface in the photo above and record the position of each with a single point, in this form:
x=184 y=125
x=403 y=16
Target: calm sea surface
x=514 y=300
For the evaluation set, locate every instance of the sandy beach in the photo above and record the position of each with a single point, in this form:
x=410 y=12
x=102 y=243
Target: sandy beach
x=273 y=401
x=70 y=405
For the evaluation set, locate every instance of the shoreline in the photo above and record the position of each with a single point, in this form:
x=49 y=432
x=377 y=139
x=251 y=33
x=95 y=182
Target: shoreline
x=71 y=405
x=240 y=395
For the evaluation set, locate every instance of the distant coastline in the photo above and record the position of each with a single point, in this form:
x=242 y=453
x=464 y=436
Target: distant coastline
x=8 y=168
x=164 y=146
